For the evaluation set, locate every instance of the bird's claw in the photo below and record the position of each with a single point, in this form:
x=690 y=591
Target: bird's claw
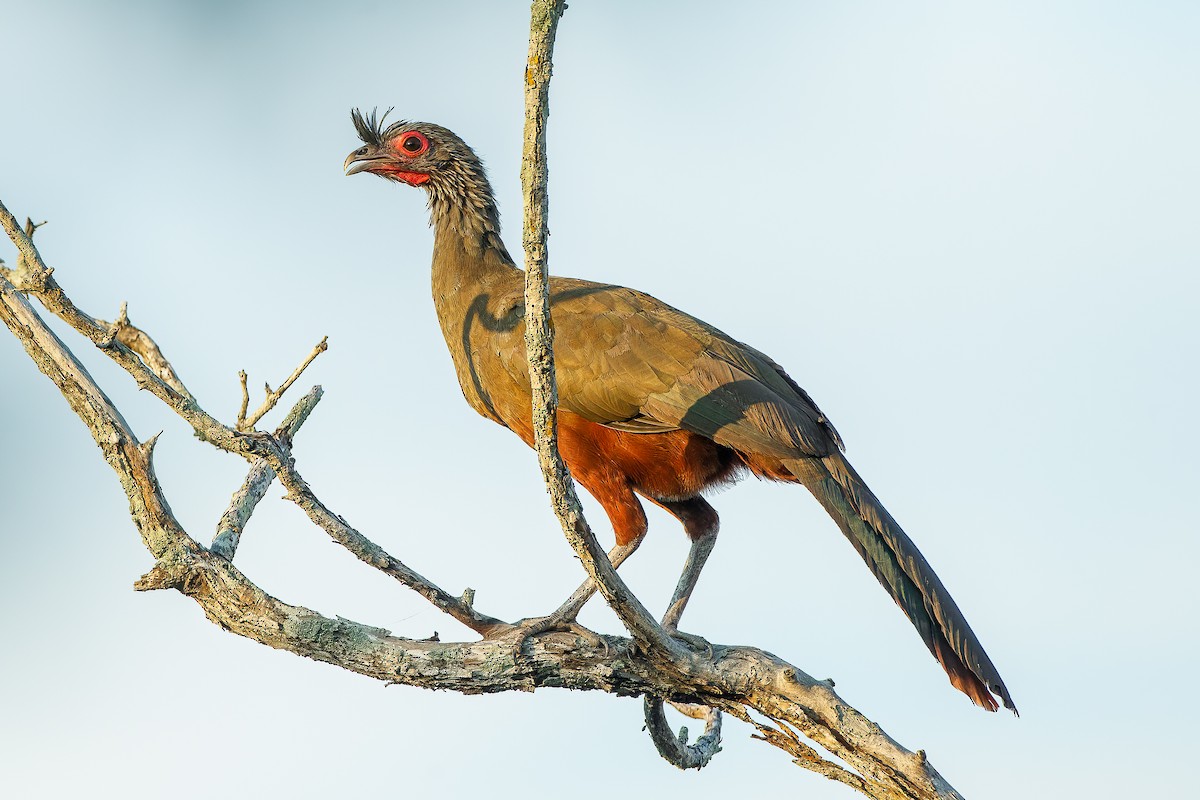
x=526 y=629
x=695 y=643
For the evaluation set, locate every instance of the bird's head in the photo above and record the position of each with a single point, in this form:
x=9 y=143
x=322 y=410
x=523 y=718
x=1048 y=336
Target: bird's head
x=416 y=153
x=432 y=157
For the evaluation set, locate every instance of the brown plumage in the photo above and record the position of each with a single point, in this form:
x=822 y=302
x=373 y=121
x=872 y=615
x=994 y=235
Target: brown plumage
x=652 y=402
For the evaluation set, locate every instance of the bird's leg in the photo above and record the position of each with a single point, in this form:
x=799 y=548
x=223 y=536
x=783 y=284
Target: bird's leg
x=629 y=525
x=575 y=603
x=563 y=618
x=696 y=557
x=701 y=523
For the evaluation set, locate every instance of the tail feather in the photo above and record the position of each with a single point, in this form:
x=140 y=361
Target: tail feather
x=903 y=571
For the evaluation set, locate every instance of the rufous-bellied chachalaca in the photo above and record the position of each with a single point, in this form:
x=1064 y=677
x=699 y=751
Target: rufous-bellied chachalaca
x=652 y=402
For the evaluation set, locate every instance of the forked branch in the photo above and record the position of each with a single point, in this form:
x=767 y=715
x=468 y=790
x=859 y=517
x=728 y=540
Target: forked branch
x=245 y=423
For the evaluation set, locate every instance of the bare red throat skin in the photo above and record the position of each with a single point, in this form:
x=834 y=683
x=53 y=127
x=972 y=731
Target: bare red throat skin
x=411 y=178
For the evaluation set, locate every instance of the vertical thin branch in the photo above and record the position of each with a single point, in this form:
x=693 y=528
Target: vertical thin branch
x=539 y=335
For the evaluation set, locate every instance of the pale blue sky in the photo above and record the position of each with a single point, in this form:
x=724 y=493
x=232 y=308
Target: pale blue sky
x=968 y=229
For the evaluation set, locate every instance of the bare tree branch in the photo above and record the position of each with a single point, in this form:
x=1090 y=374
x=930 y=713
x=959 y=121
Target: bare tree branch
x=539 y=340
x=133 y=337
x=245 y=406
x=737 y=680
x=675 y=749
x=38 y=280
x=746 y=682
x=539 y=337
x=245 y=423
x=229 y=529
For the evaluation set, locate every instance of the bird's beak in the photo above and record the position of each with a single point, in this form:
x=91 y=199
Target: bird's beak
x=363 y=160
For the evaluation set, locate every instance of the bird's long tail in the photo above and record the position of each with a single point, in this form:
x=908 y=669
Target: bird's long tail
x=906 y=575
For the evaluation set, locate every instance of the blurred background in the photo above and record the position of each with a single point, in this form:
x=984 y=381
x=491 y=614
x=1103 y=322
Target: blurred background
x=968 y=229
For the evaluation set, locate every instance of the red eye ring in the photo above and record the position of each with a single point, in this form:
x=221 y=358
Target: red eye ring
x=410 y=144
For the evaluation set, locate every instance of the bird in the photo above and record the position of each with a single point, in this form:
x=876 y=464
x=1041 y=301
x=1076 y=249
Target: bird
x=653 y=403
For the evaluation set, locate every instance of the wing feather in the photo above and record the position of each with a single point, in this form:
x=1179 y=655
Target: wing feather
x=626 y=360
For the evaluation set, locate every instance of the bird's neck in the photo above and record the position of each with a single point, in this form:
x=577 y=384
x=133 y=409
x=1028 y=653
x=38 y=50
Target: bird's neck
x=471 y=270
x=465 y=264
x=469 y=258
x=468 y=253
x=464 y=215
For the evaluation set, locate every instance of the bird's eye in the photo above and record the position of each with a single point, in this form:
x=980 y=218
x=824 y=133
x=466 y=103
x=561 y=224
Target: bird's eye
x=412 y=143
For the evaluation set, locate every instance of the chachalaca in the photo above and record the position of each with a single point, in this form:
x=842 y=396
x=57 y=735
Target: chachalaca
x=652 y=402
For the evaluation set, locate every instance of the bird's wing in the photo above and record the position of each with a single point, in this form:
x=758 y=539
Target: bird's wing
x=629 y=361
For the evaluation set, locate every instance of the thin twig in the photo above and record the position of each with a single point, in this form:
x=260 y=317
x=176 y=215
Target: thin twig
x=241 y=415
x=30 y=266
x=246 y=424
x=115 y=327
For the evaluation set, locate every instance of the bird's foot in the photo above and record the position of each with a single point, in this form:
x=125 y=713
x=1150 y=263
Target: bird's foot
x=695 y=643
x=525 y=629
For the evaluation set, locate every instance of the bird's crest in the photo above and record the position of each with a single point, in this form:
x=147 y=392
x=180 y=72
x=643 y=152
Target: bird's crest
x=370 y=128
